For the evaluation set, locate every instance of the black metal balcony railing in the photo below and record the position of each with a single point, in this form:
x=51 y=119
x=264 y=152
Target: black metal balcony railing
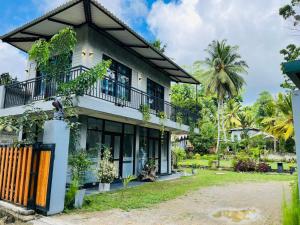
x=41 y=88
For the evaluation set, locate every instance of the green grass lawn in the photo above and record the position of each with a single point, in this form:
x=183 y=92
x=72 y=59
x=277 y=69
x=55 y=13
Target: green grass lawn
x=153 y=193
x=223 y=163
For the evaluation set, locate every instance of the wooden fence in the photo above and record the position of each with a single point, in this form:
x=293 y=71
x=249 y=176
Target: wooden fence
x=26 y=174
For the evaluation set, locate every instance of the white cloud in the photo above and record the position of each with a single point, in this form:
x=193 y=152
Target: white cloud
x=12 y=61
x=188 y=26
x=46 y=5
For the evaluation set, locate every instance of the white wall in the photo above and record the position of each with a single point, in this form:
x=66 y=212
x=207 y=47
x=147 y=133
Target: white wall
x=91 y=41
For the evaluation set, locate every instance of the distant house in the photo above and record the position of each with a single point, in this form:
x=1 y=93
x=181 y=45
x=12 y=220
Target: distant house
x=236 y=134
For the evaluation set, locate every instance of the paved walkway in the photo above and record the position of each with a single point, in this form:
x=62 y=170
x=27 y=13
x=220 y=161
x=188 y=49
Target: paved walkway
x=119 y=185
x=245 y=203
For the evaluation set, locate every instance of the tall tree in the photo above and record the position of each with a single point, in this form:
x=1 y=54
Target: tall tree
x=223 y=77
x=290 y=12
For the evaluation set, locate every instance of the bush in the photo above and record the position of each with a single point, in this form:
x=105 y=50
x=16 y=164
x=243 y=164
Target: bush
x=244 y=165
x=291 y=211
x=210 y=157
x=180 y=153
x=70 y=195
x=197 y=156
x=254 y=153
x=262 y=167
x=107 y=171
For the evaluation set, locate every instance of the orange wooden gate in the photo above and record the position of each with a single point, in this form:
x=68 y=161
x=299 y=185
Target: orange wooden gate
x=26 y=175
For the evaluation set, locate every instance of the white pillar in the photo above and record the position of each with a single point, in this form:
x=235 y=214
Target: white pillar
x=2 y=96
x=57 y=132
x=296 y=112
x=170 y=153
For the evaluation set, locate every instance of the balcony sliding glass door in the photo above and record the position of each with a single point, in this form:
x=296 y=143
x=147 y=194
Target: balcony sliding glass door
x=118 y=80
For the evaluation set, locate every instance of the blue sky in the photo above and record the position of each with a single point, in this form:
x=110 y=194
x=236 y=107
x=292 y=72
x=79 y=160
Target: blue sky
x=187 y=27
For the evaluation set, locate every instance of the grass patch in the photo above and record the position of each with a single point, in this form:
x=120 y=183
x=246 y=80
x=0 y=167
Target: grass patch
x=153 y=193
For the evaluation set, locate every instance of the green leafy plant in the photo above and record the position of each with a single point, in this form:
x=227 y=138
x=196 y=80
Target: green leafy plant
x=145 y=110
x=127 y=180
x=53 y=56
x=31 y=123
x=291 y=210
x=6 y=79
x=179 y=118
x=79 y=163
x=70 y=195
x=107 y=171
x=162 y=120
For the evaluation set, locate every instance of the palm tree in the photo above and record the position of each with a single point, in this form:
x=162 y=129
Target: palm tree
x=282 y=123
x=223 y=77
x=231 y=118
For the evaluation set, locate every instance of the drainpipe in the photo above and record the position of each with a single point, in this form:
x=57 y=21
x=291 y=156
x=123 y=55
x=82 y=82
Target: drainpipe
x=2 y=96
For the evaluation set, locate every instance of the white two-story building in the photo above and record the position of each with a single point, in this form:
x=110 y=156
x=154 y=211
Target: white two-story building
x=109 y=111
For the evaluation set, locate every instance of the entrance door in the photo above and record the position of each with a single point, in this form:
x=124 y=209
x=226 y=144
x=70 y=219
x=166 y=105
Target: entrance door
x=128 y=155
x=154 y=152
x=113 y=141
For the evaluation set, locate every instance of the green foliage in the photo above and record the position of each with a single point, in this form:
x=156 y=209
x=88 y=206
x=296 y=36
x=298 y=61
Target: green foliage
x=6 y=79
x=145 y=110
x=179 y=118
x=81 y=84
x=162 y=120
x=79 y=163
x=291 y=210
x=31 y=123
x=197 y=156
x=107 y=171
x=70 y=195
x=179 y=153
x=53 y=56
x=157 y=44
x=206 y=139
x=127 y=180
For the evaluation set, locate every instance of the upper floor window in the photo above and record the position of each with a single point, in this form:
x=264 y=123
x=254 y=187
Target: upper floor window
x=119 y=80
x=156 y=95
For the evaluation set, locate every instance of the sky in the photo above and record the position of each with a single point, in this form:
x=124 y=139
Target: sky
x=187 y=27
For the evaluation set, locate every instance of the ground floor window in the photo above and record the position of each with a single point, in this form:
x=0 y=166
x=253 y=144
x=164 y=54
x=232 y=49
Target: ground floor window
x=122 y=140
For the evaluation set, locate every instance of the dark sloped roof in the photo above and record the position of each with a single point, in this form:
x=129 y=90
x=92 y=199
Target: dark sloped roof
x=78 y=12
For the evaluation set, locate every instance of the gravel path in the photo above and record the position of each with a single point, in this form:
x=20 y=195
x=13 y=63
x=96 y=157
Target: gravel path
x=263 y=200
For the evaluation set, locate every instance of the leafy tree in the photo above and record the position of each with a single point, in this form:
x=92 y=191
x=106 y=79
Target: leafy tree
x=159 y=46
x=206 y=139
x=281 y=125
x=232 y=109
x=291 y=52
x=223 y=77
x=263 y=107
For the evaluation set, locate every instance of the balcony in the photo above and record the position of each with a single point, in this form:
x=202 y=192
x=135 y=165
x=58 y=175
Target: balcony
x=41 y=88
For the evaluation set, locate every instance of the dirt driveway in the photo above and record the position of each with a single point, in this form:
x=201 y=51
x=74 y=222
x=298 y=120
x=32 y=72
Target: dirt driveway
x=246 y=203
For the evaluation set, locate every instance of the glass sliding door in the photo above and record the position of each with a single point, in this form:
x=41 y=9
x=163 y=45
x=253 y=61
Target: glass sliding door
x=128 y=151
x=113 y=141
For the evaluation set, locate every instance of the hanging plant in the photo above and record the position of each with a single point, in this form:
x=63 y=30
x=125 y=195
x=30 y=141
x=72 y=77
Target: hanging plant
x=179 y=118
x=145 y=110
x=162 y=119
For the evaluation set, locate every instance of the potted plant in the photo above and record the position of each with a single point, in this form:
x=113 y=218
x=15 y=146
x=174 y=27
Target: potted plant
x=79 y=163
x=149 y=172
x=107 y=171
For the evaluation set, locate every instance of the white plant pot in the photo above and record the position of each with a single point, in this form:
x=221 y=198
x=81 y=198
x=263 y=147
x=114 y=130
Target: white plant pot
x=79 y=198
x=104 y=187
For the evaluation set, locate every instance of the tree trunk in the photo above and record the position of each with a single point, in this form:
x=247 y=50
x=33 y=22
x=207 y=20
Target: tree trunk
x=275 y=145
x=219 y=128
x=223 y=122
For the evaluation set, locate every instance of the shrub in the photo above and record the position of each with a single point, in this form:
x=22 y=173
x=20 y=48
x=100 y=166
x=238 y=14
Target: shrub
x=254 y=152
x=291 y=211
x=262 y=167
x=197 y=156
x=70 y=195
x=244 y=165
x=210 y=157
x=107 y=171
x=180 y=153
